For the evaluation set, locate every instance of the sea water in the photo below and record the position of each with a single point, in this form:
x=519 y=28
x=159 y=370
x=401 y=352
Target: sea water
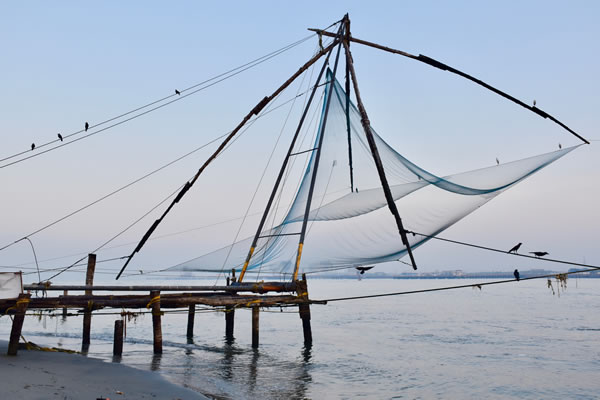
x=516 y=340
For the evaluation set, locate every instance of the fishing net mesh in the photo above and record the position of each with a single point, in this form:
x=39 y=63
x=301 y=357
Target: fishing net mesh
x=349 y=228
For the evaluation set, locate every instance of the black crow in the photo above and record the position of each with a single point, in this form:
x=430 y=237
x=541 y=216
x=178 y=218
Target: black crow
x=516 y=248
x=517 y=275
x=497 y=161
x=60 y=137
x=177 y=92
x=539 y=253
x=363 y=269
x=32 y=146
x=87 y=126
x=559 y=146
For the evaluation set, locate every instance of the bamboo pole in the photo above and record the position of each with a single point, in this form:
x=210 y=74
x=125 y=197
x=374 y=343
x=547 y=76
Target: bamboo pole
x=375 y=153
x=255 y=111
x=437 y=64
x=283 y=168
x=17 y=326
x=316 y=164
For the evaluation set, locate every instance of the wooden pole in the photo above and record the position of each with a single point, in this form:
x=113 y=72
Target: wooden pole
x=255 y=111
x=87 y=315
x=17 y=326
x=255 y=313
x=440 y=65
x=364 y=119
x=190 y=324
x=230 y=314
x=315 y=165
x=304 y=310
x=156 y=324
x=118 y=341
x=64 y=310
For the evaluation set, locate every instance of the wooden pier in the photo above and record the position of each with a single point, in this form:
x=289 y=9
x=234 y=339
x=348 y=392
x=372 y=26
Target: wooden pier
x=254 y=296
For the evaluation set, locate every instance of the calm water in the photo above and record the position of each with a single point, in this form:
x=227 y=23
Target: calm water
x=505 y=341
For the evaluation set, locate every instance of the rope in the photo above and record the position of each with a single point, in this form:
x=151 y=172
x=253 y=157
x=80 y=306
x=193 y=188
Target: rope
x=471 y=285
x=155 y=299
x=503 y=251
x=223 y=76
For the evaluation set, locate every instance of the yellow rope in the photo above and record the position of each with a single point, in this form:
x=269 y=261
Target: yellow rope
x=155 y=299
x=23 y=300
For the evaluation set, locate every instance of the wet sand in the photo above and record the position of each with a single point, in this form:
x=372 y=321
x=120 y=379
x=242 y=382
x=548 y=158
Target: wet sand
x=40 y=375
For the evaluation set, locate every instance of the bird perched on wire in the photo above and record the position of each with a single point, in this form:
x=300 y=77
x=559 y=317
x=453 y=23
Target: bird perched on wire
x=539 y=254
x=517 y=275
x=559 y=146
x=87 y=126
x=32 y=146
x=363 y=269
x=497 y=161
x=516 y=248
x=177 y=92
x=60 y=137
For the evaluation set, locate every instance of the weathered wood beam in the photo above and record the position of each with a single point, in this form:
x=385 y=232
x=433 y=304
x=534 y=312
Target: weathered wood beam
x=15 y=333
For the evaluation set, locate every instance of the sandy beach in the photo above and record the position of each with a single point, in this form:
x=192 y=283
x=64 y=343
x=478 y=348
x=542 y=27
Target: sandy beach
x=40 y=375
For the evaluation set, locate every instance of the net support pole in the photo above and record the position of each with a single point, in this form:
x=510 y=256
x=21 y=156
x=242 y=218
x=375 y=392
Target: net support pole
x=444 y=67
x=255 y=111
x=364 y=119
x=282 y=170
x=230 y=316
x=316 y=164
x=347 y=40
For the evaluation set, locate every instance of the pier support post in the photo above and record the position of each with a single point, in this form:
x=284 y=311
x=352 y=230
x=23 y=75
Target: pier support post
x=118 y=340
x=190 y=324
x=255 y=313
x=156 y=324
x=17 y=326
x=64 y=310
x=304 y=310
x=87 y=315
x=229 y=314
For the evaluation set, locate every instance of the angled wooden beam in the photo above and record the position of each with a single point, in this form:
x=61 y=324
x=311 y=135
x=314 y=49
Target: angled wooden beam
x=444 y=67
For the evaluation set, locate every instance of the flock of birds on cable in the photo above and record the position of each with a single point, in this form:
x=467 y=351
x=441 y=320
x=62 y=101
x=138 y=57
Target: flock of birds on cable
x=87 y=126
x=513 y=250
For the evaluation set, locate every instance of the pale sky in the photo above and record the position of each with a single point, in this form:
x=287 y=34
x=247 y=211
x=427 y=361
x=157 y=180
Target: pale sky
x=65 y=63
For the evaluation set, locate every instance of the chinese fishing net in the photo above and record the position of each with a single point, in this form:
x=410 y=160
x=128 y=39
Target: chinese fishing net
x=353 y=228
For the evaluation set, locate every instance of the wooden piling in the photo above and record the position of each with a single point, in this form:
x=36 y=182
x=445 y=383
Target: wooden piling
x=190 y=324
x=17 y=326
x=304 y=310
x=229 y=313
x=87 y=315
x=118 y=340
x=255 y=314
x=64 y=310
x=156 y=324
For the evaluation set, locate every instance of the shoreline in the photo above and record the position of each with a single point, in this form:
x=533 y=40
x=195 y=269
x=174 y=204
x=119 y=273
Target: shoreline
x=41 y=375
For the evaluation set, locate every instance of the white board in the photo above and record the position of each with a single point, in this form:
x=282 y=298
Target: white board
x=11 y=285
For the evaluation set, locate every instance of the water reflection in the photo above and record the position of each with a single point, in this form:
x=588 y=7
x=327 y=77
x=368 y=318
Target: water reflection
x=155 y=364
